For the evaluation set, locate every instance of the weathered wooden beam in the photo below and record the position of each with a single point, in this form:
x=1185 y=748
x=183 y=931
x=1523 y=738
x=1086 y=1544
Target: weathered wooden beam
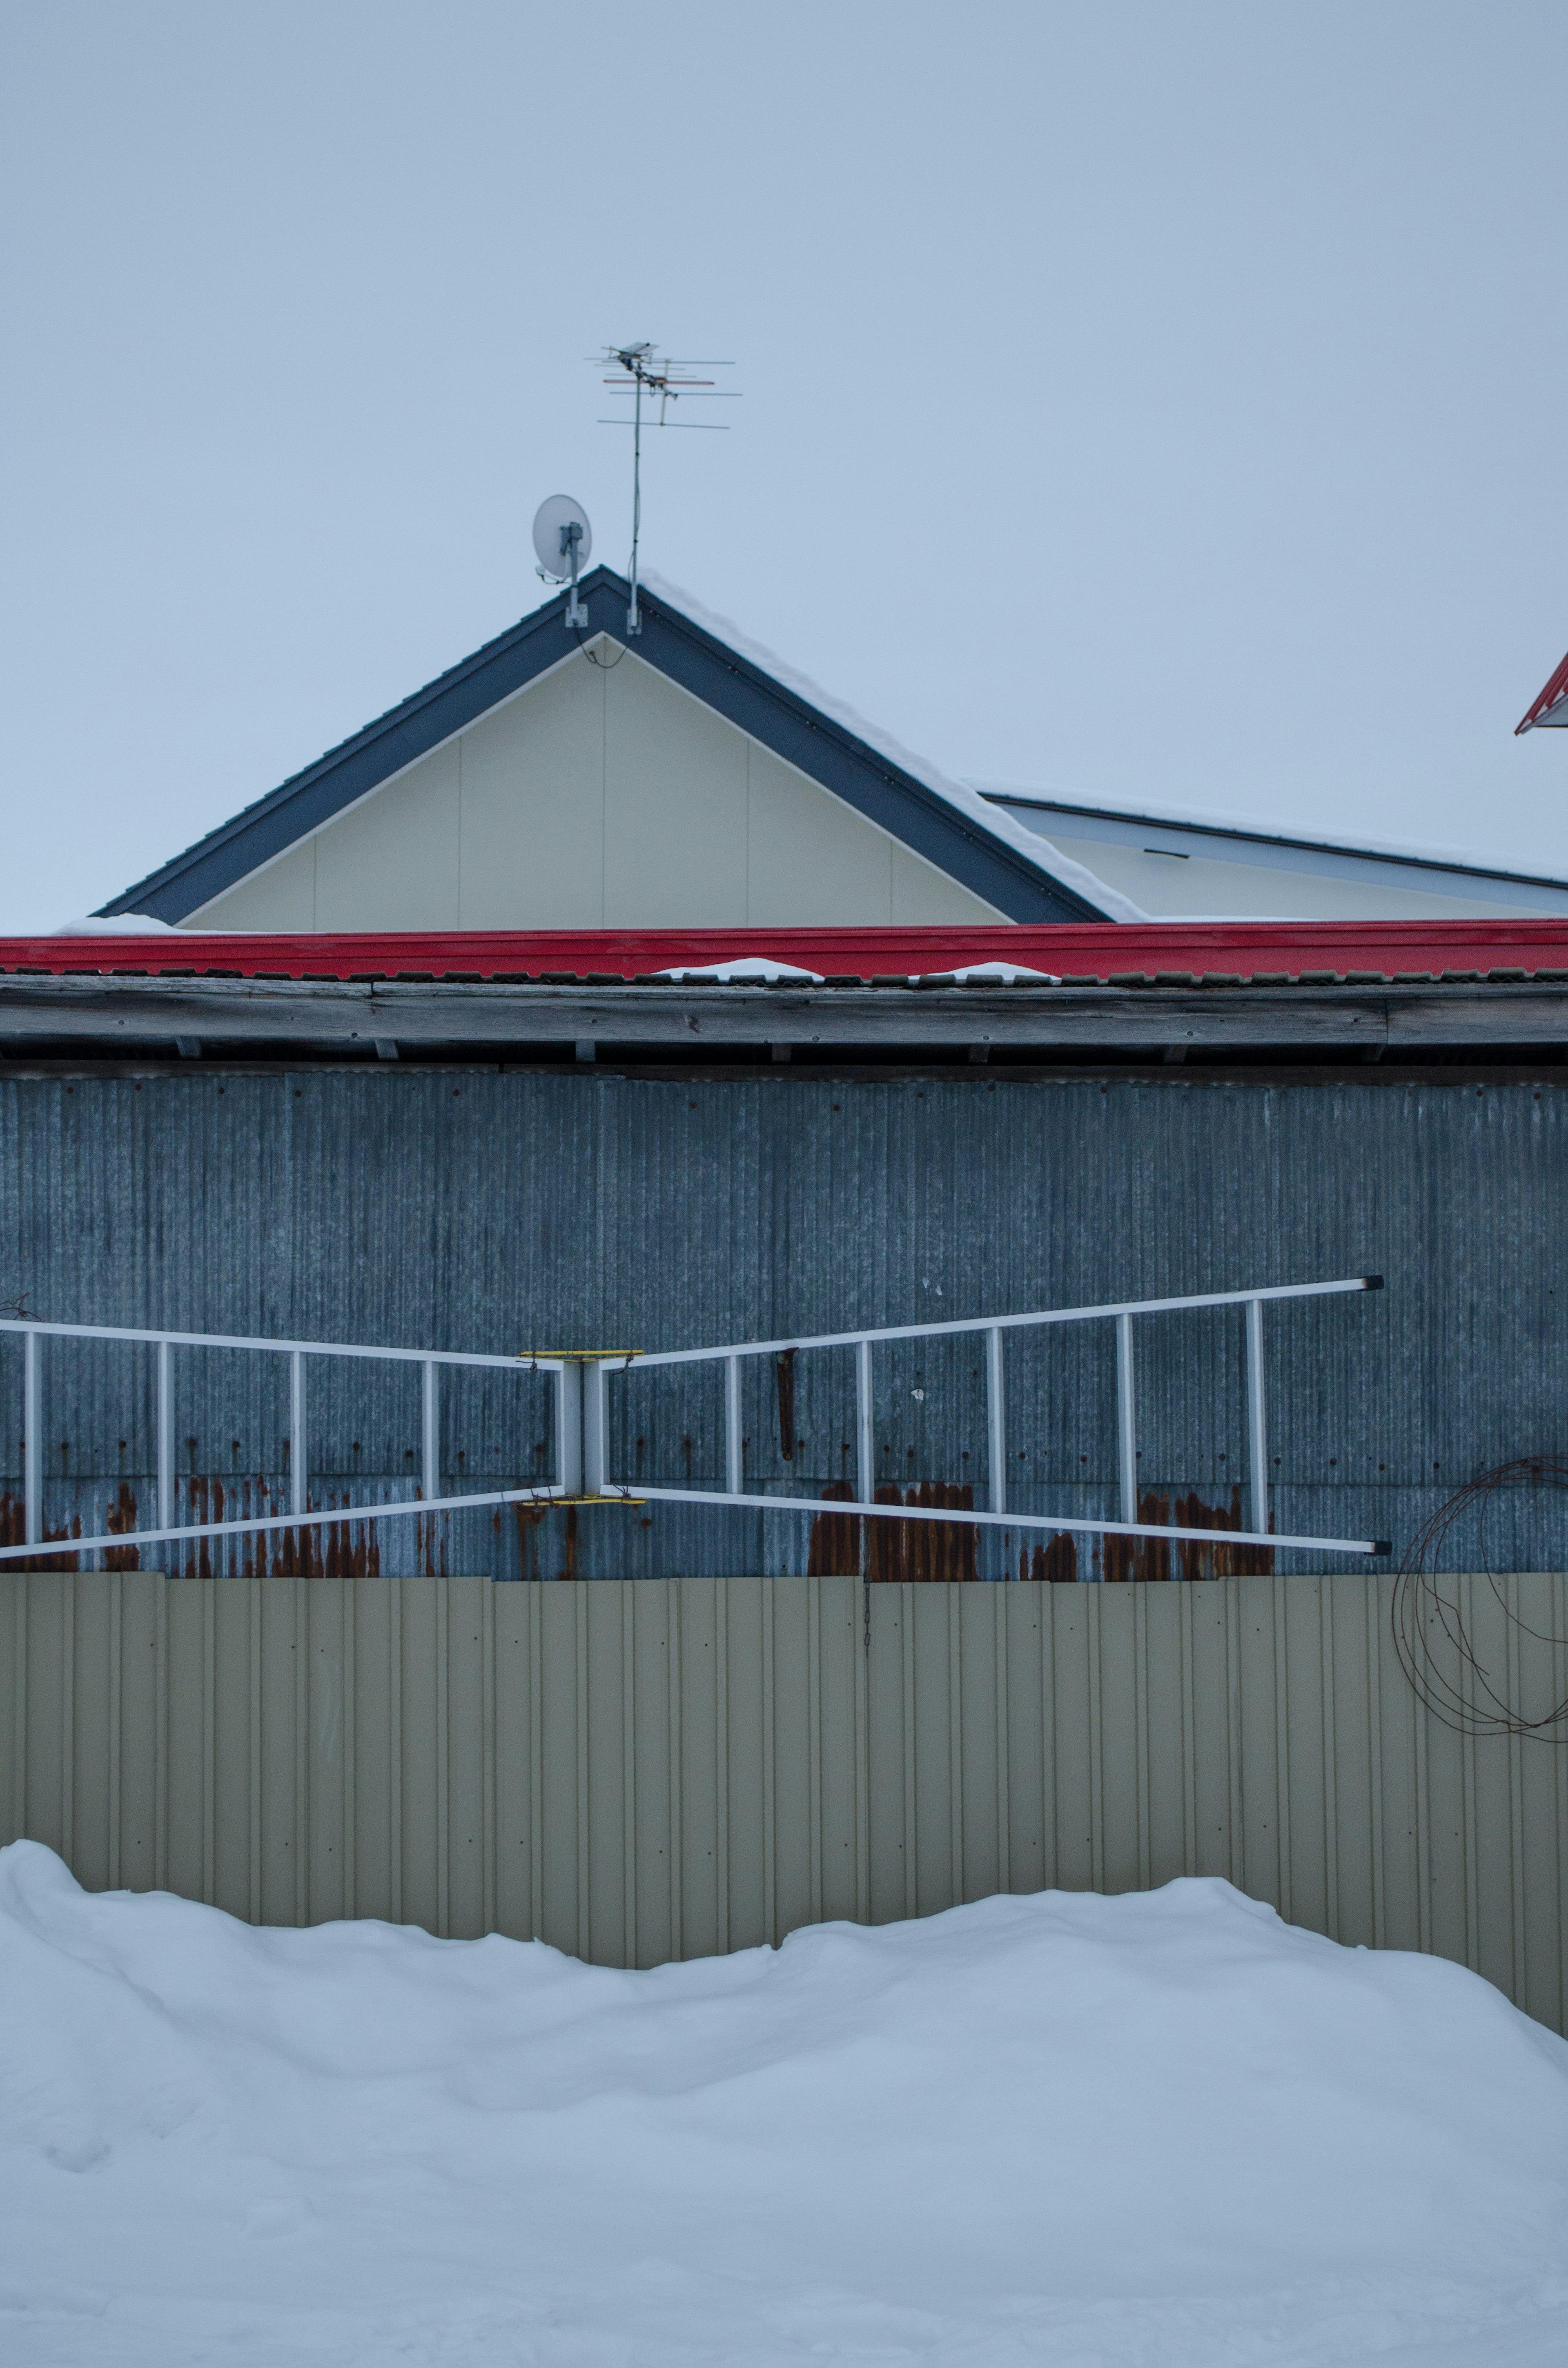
x=336 y=1013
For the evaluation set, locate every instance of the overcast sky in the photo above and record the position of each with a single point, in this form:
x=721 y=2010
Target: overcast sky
x=1160 y=402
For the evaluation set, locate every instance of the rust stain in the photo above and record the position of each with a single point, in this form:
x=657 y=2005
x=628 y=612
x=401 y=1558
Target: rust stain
x=121 y=1517
x=528 y=1517
x=1056 y=1564
x=916 y=1550
x=1219 y=1561
x=14 y=1532
x=834 y=1549
x=570 y=1543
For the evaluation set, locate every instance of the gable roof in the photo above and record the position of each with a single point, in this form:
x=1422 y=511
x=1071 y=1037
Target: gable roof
x=1550 y=707
x=984 y=849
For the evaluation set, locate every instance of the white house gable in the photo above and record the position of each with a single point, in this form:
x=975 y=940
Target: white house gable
x=600 y=796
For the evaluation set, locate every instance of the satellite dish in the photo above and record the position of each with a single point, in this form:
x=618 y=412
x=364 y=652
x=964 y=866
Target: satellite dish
x=559 y=552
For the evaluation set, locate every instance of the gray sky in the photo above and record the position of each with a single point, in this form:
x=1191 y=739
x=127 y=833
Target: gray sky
x=1161 y=401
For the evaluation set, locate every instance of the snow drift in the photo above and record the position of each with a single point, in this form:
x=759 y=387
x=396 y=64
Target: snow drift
x=1159 y=2129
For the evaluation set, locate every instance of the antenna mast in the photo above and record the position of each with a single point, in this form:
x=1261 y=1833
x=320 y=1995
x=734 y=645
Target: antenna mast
x=643 y=369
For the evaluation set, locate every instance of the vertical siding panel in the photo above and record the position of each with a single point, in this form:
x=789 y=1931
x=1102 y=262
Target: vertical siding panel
x=770 y=1763
x=1024 y=1776
x=628 y=1608
x=228 y=1724
x=1114 y=1753
x=1072 y=1735
x=513 y=1616
x=839 y=1727
x=90 y=1728
x=465 y=1756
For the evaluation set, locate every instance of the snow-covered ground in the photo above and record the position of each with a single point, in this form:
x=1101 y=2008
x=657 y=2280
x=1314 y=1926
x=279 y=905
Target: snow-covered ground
x=1164 y=2129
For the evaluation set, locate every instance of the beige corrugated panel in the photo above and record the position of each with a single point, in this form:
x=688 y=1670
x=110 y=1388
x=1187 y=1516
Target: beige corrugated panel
x=648 y=1769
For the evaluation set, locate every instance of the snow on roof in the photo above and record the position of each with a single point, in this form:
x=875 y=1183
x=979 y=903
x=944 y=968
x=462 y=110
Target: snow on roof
x=967 y=801
x=1175 y=817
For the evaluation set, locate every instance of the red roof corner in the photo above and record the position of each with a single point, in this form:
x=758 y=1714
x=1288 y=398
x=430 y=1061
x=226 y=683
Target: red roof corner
x=1552 y=707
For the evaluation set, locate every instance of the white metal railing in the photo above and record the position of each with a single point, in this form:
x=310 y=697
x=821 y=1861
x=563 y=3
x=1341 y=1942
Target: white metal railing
x=580 y=1427
x=565 y=1426
x=596 y=1379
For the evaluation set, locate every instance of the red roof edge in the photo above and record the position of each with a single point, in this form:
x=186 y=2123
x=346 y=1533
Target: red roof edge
x=1222 y=951
x=1554 y=695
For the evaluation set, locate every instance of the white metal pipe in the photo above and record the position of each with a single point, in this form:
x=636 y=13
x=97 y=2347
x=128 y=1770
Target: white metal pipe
x=1126 y=1422
x=797 y=1504
x=1257 y=1419
x=524 y=1361
x=251 y=1528
x=734 y=1473
x=995 y=1423
x=32 y=1435
x=569 y=1430
x=816 y=1505
x=865 y=1434
x=431 y=1440
x=165 y=1434
x=1003 y=1322
x=595 y=1421
x=297 y=1431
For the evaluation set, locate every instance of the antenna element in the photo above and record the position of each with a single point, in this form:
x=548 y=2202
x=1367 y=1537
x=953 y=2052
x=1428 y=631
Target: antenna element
x=645 y=372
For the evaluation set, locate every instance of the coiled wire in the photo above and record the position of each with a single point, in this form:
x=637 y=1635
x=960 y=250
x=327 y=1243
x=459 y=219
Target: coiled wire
x=1436 y=1649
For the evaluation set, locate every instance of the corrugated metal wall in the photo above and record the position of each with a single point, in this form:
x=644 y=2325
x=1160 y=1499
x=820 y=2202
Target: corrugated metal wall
x=641 y=1771
x=495 y=1211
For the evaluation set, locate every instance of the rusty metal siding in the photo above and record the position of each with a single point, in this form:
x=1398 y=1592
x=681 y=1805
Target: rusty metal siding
x=643 y=1771
x=472 y=1208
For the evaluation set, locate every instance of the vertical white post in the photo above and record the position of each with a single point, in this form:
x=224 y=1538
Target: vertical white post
x=1126 y=1424
x=431 y=1457
x=298 y=1501
x=32 y=1433
x=1257 y=1419
x=595 y=1410
x=165 y=1435
x=569 y=1429
x=734 y=1476
x=866 y=1459
x=995 y=1423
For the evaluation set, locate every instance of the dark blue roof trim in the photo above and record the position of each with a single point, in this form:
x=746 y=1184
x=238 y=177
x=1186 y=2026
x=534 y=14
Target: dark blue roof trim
x=725 y=682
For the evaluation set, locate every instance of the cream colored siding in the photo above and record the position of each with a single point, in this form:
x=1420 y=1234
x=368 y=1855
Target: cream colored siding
x=281 y=895
x=922 y=895
x=533 y=808
x=639 y=1771
x=813 y=858
x=599 y=797
x=675 y=799
x=392 y=862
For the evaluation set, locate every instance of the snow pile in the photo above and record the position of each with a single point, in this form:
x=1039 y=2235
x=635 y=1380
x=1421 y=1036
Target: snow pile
x=122 y=925
x=747 y=969
x=1163 y=2130
x=1004 y=973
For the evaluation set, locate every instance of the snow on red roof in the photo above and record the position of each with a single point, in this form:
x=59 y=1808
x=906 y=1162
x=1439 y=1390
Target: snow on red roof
x=1552 y=707
x=1222 y=951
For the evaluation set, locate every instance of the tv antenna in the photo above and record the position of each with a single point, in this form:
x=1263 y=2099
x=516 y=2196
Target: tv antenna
x=562 y=540
x=647 y=373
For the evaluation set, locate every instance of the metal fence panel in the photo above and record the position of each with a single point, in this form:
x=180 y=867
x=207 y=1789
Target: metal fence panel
x=639 y=1771
x=498 y=1211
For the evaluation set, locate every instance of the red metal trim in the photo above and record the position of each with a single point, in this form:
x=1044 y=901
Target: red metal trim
x=1220 y=950
x=1554 y=695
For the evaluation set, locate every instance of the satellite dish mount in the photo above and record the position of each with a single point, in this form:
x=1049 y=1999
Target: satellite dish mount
x=562 y=540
